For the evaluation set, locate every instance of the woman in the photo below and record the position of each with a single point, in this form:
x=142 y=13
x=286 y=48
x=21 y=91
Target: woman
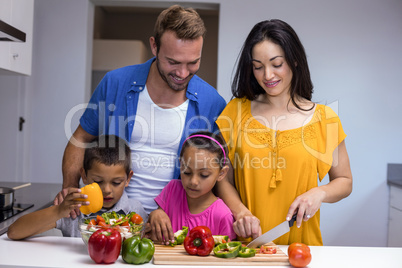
x=279 y=141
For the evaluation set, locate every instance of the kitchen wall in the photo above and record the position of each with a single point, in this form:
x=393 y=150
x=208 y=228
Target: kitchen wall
x=354 y=50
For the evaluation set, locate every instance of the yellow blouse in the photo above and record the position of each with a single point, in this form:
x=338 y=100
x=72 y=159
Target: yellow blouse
x=272 y=168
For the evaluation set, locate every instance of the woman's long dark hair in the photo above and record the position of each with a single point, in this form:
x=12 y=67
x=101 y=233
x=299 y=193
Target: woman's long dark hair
x=279 y=32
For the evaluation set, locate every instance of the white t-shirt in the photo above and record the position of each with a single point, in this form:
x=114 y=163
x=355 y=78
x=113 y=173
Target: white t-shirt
x=154 y=144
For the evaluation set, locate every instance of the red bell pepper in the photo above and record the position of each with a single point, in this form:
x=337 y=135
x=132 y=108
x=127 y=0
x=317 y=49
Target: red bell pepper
x=199 y=241
x=104 y=245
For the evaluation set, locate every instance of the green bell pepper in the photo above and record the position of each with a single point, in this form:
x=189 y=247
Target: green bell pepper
x=227 y=250
x=220 y=239
x=246 y=252
x=179 y=236
x=137 y=251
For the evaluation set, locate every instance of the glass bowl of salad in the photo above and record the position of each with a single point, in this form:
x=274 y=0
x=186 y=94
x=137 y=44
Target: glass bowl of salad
x=128 y=225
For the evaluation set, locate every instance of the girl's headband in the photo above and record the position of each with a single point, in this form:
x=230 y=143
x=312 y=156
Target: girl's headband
x=212 y=139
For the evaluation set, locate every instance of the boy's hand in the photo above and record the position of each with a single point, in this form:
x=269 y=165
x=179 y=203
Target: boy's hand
x=59 y=199
x=70 y=202
x=161 y=227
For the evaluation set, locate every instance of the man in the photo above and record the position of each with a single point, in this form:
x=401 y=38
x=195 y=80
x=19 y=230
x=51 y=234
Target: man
x=154 y=106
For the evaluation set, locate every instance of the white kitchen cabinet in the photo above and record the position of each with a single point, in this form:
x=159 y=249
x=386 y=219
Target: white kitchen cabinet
x=395 y=217
x=5 y=15
x=4 y=55
x=5 y=10
x=16 y=57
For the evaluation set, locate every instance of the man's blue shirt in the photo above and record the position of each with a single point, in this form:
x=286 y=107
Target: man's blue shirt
x=113 y=106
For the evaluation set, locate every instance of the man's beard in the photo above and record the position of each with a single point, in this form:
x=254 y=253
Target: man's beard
x=170 y=83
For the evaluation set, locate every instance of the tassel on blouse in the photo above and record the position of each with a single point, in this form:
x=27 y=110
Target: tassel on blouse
x=272 y=183
x=276 y=176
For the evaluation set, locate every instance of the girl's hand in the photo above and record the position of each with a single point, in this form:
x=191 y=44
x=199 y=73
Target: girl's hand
x=71 y=203
x=161 y=227
x=59 y=199
x=306 y=205
x=247 y=226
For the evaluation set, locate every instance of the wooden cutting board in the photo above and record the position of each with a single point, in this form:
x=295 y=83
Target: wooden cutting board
x=167 y=255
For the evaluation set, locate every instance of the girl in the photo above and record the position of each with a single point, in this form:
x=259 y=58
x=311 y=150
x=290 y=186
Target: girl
x=190 y=201
x=279 y=141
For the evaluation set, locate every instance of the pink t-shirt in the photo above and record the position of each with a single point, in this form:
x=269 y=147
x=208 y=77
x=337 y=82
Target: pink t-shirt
x=217 y=217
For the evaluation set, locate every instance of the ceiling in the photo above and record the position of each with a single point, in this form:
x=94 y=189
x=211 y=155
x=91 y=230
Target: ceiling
x=151 y=10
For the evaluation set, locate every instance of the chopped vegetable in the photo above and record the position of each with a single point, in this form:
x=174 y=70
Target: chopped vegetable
x=179 y=236
x=220 y=239
x=114 y=220
x=92 y=222
x=246 y=252
x=99 y=218
x=268 y=249
x=227 y=250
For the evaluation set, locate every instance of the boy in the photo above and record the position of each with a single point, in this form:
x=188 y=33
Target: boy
x=107 y=161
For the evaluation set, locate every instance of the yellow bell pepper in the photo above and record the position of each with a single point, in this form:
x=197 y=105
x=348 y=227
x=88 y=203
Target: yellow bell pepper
x=95 y=198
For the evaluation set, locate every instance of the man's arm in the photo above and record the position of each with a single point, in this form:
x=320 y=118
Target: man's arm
x=246 y=224
x=74 y=156
x=72 y=162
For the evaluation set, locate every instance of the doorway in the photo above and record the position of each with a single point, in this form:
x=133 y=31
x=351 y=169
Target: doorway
x=131 y=27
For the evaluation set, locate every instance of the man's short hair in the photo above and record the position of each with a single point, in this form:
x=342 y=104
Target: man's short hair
x=186 y=23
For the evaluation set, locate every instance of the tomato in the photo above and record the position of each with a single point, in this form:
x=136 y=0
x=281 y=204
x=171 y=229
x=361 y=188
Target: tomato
x=136 y=219
x=99 y=219
x=297 y=245
x=117 y=227
x=268 y=249
x=103 y=224
x=125 y=223
x=300 y=256
x=91 y=223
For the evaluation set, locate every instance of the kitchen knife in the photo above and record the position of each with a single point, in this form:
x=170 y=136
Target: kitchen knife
x=274 y=233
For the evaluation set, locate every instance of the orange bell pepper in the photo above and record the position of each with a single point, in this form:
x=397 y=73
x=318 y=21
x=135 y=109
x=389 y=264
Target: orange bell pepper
x=95 y=198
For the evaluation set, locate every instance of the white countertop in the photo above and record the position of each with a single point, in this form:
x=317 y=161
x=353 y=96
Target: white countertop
x=53 y=251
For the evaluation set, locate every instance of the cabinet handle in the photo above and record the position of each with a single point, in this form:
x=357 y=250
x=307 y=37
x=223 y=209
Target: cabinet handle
x=22 y=121
x=15 y=55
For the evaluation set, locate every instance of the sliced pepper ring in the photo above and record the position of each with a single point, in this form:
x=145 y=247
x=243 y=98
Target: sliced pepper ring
x=246 y=252
x=227 y=250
